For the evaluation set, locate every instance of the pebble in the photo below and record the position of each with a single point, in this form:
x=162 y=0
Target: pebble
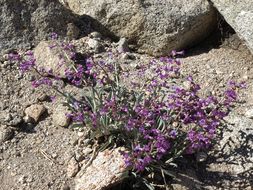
x=95 y=35
x=249 y=113
x=87 y=151
x=73 y=167
x=245 y=77
x=79 y=155
x=128 y=56
x=74 y=142
x=95 y=45
x=43 y=97
x=86 y=142
x=72 y=31
x=35 y=111
x=60 y=119
x=54 y=155
x=65 y=187
x=16 y=120
x=81 y=134
x=187 y=85
x=6 y=133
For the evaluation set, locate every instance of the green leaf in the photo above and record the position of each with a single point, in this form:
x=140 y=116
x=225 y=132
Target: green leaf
x=168 y=173
x=77 y=125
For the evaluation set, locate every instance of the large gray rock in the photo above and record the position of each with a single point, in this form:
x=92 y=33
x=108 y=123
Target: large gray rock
x=239 y=15
x=24 y=23
x=155 y=27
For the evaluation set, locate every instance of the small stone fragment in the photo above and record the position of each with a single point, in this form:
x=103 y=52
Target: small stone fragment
x=16 y=120
x=95 y=45
x=65 y=187
x=6 y=133
x=72 y=31
x=79 y=156
x=60 y=118
x=43 y=97
x=87 y=151
x=35 y=111
x=73 y=167
x=187 y=85
x=95 y=35
x=123 y=45
x=249 y=113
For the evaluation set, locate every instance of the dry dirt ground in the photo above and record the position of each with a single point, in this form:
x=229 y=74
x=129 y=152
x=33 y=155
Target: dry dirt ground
x=36 y=156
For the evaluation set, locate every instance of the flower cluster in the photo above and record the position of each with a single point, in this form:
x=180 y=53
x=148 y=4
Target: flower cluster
x=155 y=118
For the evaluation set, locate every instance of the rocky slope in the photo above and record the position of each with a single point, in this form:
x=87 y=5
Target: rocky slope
x=38 y=150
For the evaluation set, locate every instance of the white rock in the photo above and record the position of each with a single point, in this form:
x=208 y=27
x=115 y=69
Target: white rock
x=95 y=45
x=87 y=151
x=59 y=116
x=249 y=113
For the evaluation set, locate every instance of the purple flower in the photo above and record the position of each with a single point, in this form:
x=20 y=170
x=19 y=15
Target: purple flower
x=173 y=134
x=14 y=57
x=230 y=94
x=42 y=81
x=54 y=36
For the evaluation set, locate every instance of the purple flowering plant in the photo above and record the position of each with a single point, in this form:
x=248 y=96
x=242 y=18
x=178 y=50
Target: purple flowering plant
x=157 y=119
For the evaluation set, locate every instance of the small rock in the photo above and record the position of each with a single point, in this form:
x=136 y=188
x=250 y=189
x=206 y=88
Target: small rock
x=43 y=97
x=35 y=111
x=87 y=151
x=8 y=117
x=6 y=57
x=245 y=77
x=29 y=179
x=16 y=120
x=65 y=187
x=95 y=45
x=54 y=155
x=27 y=119
x=125 y=56
x=72 y=31
x=128 y=56
x=6 y=133
x=73 y=167
x=22 y=179
x=123 y=45
x=201 y=157
x=187 y=85
x=74 y=142
x=59 y=116
x=95 y=35
x=80 y=134
x=249 y=113
x=86 y=142
x=79 y=156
